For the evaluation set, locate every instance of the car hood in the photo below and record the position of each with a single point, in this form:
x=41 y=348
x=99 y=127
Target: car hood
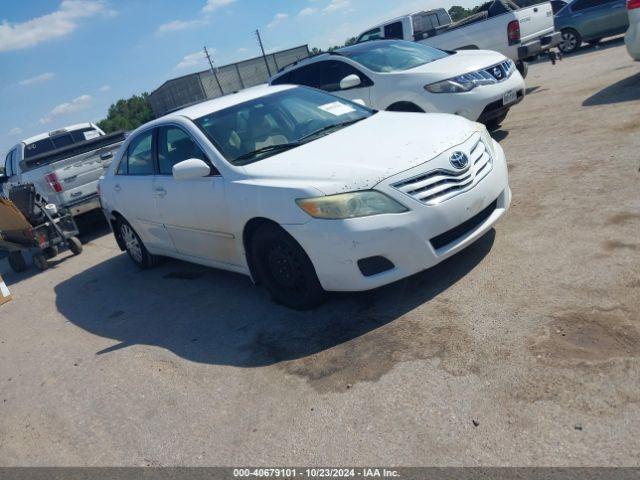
x=463 y=61
x=362 y=155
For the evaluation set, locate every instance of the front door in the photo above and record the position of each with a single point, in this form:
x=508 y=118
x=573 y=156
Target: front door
x=193 y=211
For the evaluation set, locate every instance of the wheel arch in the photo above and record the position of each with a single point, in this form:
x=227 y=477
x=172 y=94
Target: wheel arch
x=404 y=106
x=114 y=218
x=250 y=228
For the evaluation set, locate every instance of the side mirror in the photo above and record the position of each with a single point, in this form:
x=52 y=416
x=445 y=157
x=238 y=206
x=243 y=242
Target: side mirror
x=350 y=81
x=190 y=169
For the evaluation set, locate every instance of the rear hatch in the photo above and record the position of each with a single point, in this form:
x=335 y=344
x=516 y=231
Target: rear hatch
x=73 y=171
x=535 y=21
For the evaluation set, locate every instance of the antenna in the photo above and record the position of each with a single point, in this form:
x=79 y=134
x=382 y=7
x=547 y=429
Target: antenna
x=214 y=70
x=264 y=56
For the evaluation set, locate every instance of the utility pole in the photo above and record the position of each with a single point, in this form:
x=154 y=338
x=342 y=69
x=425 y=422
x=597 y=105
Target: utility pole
x=264 y=56
x=213 y=70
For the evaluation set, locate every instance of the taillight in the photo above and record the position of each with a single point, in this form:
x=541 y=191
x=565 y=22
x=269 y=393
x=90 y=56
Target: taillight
x=633 y=4
x=52 y=181
x=513 y=32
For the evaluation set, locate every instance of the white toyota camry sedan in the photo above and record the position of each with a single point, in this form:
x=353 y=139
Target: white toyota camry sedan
x=304 y=191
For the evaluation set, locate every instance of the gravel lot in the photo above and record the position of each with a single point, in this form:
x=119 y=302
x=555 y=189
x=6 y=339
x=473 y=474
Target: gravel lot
x=522 y=350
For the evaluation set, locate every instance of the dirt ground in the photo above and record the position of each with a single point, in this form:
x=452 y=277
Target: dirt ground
x=522 y=350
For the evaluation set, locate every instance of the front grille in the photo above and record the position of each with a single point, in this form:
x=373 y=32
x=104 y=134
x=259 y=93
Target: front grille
x=502 y=70
x=436 y=186
x=463 y=229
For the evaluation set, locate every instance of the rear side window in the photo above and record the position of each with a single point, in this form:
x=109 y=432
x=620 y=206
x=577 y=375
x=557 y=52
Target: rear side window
x=138 y=159
x=393 y=30
x=370 y=35
x=175 y=146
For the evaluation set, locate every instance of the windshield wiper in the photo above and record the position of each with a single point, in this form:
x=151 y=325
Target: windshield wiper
x=328 y=128
x=268 y=148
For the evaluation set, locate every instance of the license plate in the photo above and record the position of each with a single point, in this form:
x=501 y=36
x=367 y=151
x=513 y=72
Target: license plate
x=510 y=97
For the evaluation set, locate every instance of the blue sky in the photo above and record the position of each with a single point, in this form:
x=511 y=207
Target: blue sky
x=66 y=61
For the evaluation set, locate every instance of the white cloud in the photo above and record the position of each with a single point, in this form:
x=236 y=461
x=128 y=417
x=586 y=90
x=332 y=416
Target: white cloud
x=15 y=131
x=307 y=11
x=336 y=5
x=193 y=60
x=177 y=25
x=213 y=5
x=76 y=105
x=104 y=88
x=63 y=21
x=277 y=18
x=43 y=77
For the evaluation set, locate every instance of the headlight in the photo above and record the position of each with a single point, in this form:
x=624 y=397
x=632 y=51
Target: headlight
x=350 y=205
x=462 y=83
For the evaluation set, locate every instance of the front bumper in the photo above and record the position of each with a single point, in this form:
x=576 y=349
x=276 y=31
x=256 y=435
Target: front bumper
x=411 y=241
x=474 y=103
x=533 y=48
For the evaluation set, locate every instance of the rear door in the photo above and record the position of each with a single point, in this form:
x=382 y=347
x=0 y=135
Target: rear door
x=133 y=191
x=535 y=21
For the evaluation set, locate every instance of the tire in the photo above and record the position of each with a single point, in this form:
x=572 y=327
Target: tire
x=285 y=269
x=51 y=252
x=495 y=123
x=404 y=107
x=16 y=262
x=523 y=68
x=75 y=245
x=40 y=261
x=571 y=41
x=134 y=246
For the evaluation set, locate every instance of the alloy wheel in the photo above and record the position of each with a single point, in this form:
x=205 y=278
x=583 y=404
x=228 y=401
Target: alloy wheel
x=132 y=243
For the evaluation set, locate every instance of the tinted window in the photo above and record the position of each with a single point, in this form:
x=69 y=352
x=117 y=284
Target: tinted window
x=174 y=146
x=392 y=56
x=584 y=4
x=333 y=72
x=59 y=141
x=269 y=125
x=140 y=155
x=286 y=78
x=370 y=35
x=393 y=30
x=308 y=75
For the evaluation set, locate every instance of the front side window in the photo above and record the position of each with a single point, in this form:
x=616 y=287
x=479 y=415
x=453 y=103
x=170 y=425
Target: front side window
x=175 y=146
x=259 y=128
x=384 y=57
x=333 y=72
x=139 y=158
x=308 y=75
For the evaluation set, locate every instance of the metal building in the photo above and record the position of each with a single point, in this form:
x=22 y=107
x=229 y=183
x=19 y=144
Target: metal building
x=197 y=87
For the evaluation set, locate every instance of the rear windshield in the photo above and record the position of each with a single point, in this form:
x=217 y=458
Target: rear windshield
x=392 y=56
x=59 y=141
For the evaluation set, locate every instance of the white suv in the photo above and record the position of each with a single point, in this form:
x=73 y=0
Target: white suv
x=304 y=191
x=405 y=76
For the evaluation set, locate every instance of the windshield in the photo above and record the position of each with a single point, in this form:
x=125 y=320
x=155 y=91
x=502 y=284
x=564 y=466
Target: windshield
x=392 y=56
x=259 y=128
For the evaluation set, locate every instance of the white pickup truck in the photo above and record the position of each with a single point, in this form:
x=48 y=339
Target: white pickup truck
x=517 y=33
x=64 y=165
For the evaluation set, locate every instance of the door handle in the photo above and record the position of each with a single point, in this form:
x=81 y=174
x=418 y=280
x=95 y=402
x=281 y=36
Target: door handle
x=161 y=192
x=117 y=187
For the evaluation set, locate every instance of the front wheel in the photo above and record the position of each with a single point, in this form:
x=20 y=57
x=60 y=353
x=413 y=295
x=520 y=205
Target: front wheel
x=75 y=245
x=496 y=123
x=523 y=68
x=285 y=269
x=134 y=246
x=40 y=261
x=571 y=41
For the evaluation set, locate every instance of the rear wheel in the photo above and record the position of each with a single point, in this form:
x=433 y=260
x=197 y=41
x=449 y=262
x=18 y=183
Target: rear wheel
x=285 y=269
x=16 y=262
x=134 y=246
x=40 y=261
x=571 y=41
x=75 y=245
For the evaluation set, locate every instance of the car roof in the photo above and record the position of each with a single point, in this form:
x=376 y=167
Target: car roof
x=53 y=133
x=204 y=108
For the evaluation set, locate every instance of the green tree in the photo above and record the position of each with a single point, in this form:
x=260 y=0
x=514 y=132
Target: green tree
x=127 y=114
